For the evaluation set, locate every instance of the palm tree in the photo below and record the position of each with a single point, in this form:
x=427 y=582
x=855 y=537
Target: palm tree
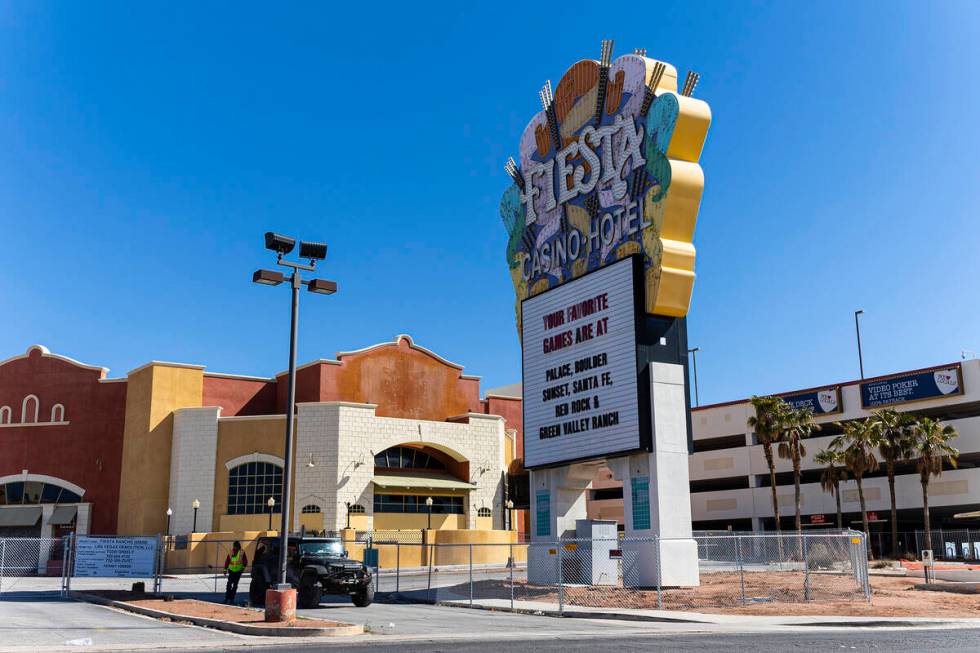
x=833 y=473
x=768 y=424
x=892 y=432
x=931 y=445
x=797 y=427
x=857 y=447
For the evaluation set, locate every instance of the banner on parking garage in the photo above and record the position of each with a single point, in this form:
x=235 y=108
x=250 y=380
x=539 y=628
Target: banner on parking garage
x=912 y=386
x=822 y=401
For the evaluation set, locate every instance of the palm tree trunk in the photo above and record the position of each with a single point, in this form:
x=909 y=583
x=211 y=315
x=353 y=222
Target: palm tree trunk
x=925 y=510
x=796 y=486
x=894 y=515
x=864 y=515
x=767 y=449
x=840 y=515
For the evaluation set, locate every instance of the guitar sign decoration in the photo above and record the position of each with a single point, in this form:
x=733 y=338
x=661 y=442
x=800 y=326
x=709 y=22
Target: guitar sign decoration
x=609 y=169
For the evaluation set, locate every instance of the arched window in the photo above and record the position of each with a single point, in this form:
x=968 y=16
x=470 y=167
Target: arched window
x=250 y=485
x=57 y=413
x=407 y=458
x=5 y=415
x=356 y=509
x=484 y=512
x=29 y=410
x=15 y=493
x=310 y=509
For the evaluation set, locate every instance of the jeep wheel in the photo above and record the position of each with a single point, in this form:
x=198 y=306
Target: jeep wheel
x=309 y=592
x=364 y=597
x=256 y=590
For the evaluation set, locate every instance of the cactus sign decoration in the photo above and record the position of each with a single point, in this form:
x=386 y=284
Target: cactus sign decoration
x=609 y=169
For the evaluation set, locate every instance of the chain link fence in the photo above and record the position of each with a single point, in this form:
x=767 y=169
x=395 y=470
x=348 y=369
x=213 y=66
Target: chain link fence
x=641 y=573
x=30 y=557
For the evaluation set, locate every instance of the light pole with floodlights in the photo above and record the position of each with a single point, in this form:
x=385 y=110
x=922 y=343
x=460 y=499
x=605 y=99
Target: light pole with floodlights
x=313 y=252
x=857 y=328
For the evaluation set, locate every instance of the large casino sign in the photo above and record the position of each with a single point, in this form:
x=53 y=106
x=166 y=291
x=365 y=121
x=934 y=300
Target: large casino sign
x=609 y=169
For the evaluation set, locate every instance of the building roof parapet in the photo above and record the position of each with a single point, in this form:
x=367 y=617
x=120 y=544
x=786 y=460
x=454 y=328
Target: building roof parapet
x=154 y=363
x=46 y=353
x=341 y=404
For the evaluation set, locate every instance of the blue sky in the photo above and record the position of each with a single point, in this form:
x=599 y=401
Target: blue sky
x=145 y=148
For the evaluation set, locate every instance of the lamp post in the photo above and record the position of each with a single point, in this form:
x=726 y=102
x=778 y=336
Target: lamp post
x=170 y=513
x=428 y=504
x=694 y=357
x=272 y=504
x=195 y=505
x=857 y=329
x=348 y=514
x=510 y=515
x=313 y=252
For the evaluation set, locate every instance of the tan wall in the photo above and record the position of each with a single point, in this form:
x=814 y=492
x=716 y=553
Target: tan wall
x=206 y=552
x=484 y=523
x=239 y=523
x=394 y=521
x=239 y=438
x=152 y=394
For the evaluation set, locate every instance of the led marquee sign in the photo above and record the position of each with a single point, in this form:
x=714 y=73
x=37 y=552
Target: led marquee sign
x=581 y=391
x=609 y=169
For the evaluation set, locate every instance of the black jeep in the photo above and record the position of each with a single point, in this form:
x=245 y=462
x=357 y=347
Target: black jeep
x=315 y=565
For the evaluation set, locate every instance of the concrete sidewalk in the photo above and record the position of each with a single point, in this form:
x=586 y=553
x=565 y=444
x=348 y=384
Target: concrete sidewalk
x=707 y=619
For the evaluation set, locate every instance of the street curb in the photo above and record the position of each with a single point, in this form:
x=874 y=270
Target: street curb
x=229 y=626
x=614 y=616
x=563 y=615
x=955 y=588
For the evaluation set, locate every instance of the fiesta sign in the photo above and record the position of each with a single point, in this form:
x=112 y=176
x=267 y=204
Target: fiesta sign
x=608 y=169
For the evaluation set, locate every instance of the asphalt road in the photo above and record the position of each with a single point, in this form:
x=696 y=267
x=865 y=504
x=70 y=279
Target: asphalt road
x=864 y=640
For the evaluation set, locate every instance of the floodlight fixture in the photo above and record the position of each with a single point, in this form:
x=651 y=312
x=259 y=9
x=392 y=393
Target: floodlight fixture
x=312 y=251
x=279 y=243
x=640 y=52
x=268 y=277
x=690 y=82
x=322 y=286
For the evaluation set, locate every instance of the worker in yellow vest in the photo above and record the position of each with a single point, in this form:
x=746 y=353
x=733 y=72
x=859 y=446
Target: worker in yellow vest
x=235 y=563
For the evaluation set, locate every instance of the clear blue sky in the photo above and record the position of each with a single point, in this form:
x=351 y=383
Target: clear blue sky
x=146 y=147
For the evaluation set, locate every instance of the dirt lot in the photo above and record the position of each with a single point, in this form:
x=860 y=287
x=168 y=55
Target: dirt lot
x=774 y=593
x=194 y=608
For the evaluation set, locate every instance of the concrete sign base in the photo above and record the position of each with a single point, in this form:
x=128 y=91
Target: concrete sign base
x=656 y=498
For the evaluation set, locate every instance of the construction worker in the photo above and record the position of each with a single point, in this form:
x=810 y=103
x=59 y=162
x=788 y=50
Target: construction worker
x=235 y=563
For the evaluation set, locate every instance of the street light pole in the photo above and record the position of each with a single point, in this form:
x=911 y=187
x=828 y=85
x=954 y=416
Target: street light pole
x=314 y=252
x=170 y=513
x=694 y=357
x=428 y=503
x=272 y=504
x=348 y=515
x=857 y=329
x=195 y=505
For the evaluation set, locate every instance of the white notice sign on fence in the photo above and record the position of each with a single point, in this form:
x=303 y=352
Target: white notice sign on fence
x=115 y=557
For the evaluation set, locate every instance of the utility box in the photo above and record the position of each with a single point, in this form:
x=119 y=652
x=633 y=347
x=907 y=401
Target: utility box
x=597 y=538
x=927 y=556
